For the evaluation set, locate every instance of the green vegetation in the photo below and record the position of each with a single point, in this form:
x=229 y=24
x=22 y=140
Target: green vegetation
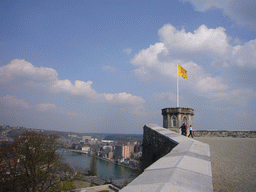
x=67 y=185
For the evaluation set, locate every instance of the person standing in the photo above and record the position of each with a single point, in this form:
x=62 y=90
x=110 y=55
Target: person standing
x=190 y=131
x=183 y=129
x=186 y=130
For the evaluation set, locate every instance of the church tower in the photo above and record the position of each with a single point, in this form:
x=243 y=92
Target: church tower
x=173 y=118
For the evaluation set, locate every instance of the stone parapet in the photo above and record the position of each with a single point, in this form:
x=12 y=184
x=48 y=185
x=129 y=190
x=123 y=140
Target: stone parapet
x=172 y=162
x=223 y=133
x=180 y=110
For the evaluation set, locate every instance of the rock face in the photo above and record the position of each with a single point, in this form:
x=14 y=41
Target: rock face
x=223 y=133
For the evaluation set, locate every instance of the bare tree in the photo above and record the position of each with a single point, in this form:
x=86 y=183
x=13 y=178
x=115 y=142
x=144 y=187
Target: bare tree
x=31 y=163
x=93 y=165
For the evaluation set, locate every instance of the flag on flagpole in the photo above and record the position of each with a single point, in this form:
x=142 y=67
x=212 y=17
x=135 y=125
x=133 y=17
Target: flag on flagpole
x=182 y=72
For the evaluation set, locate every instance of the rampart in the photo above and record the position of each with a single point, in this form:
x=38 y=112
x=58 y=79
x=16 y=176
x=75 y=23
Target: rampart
x=224 y=133
x=172 y=162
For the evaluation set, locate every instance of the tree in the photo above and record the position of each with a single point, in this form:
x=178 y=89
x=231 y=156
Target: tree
x=93 y=165
x=31 y=163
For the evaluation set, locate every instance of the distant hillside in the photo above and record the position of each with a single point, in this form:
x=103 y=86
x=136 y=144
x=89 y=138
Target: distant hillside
x=125 y=137
x=12 y=132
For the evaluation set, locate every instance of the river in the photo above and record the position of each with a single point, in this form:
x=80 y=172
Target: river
x=105 y=170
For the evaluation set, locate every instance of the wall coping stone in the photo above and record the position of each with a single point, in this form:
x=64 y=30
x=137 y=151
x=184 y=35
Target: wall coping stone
x=187 y=167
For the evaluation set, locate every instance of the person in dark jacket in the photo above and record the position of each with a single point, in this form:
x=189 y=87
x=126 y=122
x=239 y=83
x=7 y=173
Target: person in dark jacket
x=183 y=129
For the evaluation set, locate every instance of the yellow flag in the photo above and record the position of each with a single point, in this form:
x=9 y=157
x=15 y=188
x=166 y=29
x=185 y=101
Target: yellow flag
x=182 y=72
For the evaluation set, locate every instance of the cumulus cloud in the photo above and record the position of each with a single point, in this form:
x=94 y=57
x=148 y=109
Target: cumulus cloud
x=78 y=88
x=210 y=84
x=148 y=63
x=123 y=98
x=241 y=11
x=19 y=69
x=150 y=55
x=203 y=40
x=176 y=47
x=23 y=73
x=245 y=55
x=147 y=60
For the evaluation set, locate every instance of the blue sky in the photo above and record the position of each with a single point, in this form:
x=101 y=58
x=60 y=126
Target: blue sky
x=110 y=66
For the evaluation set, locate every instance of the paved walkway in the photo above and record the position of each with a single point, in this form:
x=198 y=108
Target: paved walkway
x=233 y=163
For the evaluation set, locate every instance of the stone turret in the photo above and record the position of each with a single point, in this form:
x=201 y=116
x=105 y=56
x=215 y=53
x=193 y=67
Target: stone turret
x=173 y=118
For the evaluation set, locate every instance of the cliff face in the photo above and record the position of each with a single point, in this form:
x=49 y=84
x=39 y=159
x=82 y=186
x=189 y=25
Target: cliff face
x=224 y=133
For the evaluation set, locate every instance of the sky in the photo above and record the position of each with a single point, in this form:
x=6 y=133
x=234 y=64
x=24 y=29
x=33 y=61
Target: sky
x=110 y=66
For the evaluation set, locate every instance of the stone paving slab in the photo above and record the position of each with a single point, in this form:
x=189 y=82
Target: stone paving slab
x=153 y=176
x=200 y=148
x=166 y=162
x=143 y=188
x=196 y=165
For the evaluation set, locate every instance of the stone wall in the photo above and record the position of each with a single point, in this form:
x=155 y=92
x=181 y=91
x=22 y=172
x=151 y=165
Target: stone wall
x=223 y=133
x=178 y=163
x=155 y=146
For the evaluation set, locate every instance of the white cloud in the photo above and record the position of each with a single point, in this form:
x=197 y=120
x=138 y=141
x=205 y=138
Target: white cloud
x=147 y=60
x=123 y=98
x=203 y=40
x=109 y=68
x=21 y=70
x=127 y=51
x=79 y=88
x=241 y=11
x=12 y=101
x=161 y=59
x=245 y=55
x=148 y=63
x=149 y=56
x=210 y=84
x=18 y=71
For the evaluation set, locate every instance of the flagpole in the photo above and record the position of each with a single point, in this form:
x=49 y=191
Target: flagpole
x=177 y=87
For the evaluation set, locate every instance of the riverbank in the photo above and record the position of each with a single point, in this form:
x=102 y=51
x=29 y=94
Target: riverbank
x=105 y=169
x=233 y=163
x=104 y=159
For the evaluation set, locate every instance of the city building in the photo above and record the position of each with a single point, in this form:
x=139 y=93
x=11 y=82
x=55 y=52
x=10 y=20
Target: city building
x=123 y=151
x=86 y=139
x=86 y=148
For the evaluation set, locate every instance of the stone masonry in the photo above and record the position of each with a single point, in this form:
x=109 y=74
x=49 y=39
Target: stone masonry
x=223 y=133
x=172 y=162
x=174 y=117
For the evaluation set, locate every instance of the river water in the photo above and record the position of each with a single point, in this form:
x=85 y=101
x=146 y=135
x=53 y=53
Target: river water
x=105 y=170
